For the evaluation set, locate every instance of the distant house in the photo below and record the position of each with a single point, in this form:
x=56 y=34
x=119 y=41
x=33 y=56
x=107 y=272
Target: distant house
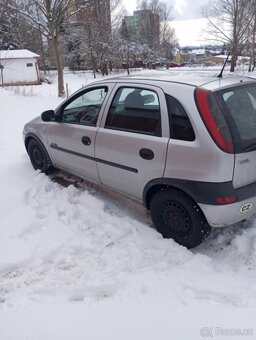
x=200 y=53
x=217 y=59
x=19 y=67
x=220 y=59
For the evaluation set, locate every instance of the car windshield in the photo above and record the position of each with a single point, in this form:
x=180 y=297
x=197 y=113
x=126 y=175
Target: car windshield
x=239 y=107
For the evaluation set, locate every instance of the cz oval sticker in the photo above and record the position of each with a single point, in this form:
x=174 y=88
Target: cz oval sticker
x=245 y=208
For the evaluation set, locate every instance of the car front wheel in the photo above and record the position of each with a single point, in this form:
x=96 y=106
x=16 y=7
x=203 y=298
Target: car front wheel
x=38 y=157
x=177 y=216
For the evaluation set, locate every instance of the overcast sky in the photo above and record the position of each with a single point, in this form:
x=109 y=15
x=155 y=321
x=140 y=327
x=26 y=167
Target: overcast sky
x=183 y=9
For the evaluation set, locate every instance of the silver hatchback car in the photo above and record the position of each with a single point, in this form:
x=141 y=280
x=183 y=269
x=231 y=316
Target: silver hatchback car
x=184 y=146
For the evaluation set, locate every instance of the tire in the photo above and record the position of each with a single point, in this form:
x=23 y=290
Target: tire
x=175 y=215
x=38 y=157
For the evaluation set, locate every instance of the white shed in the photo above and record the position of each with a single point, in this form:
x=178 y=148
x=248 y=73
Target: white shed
x=19 y=67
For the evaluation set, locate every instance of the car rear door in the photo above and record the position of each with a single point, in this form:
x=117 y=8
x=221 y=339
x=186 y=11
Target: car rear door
x=71 y=139
x=132 y=140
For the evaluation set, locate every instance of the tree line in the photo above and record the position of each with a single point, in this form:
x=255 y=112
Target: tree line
x=47 y=27
x=233 y=23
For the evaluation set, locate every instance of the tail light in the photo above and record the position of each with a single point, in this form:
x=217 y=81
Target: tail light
x=226 y=200
x=214 y=120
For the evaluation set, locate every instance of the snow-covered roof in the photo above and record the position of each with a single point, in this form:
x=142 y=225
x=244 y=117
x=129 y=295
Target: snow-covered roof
x=222 y=56
x=215 y=51
x=17 y=54
x=199 y=51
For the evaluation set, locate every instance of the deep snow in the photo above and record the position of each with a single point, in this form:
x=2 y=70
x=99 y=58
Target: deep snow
x=86 y=264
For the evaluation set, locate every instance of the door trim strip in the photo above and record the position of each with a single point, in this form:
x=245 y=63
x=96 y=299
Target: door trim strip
x=99 y=160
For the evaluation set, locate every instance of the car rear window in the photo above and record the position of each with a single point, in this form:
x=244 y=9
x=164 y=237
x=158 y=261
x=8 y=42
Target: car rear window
x=239 y=107
x=180 y=125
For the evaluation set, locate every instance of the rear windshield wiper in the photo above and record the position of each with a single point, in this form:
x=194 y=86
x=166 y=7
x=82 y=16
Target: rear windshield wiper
x=250 y=148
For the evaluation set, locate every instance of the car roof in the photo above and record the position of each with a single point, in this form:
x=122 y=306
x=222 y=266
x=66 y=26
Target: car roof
x=211 y=82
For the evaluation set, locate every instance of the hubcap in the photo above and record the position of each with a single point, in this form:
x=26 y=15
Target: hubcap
x=175 y=217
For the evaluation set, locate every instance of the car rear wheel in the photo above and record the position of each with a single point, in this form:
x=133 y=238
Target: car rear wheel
x=177 y=216
x=38 y=157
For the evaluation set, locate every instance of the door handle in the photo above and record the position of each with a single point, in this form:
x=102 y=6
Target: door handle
x=86 y=140
x=146 y=154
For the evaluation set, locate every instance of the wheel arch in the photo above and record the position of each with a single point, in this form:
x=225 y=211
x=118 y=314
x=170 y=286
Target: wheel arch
x=31 y=136
x=198 y=191
x=154 y=186
x=176 y=215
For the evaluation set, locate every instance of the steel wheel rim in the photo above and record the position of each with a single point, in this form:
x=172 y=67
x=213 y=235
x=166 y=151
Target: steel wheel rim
x=176 y=218
x=38 y=157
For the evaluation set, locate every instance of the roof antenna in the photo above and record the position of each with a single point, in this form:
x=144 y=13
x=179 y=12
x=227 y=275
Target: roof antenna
x=220 y=75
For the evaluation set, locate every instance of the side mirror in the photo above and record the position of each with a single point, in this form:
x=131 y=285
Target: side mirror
x=48 y=116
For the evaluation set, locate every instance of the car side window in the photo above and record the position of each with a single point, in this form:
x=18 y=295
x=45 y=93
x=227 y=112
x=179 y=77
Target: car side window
x=85 y=107
x=180 y=125
x=135 y=110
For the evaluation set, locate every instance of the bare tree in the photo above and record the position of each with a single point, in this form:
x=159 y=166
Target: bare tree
x=252 y=39
x=95 y=38
x=47 y=16
x=149 y=22
x=229 y=22
x=168 y=40
x=161 y=36
x=15 y=32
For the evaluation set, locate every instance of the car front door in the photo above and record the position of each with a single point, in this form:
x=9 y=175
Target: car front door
x=71 y=139
x=132 y=140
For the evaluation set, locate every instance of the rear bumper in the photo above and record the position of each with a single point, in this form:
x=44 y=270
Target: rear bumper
x=223 y=215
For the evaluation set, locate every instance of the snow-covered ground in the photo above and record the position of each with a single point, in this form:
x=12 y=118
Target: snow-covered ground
x=82 y=264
